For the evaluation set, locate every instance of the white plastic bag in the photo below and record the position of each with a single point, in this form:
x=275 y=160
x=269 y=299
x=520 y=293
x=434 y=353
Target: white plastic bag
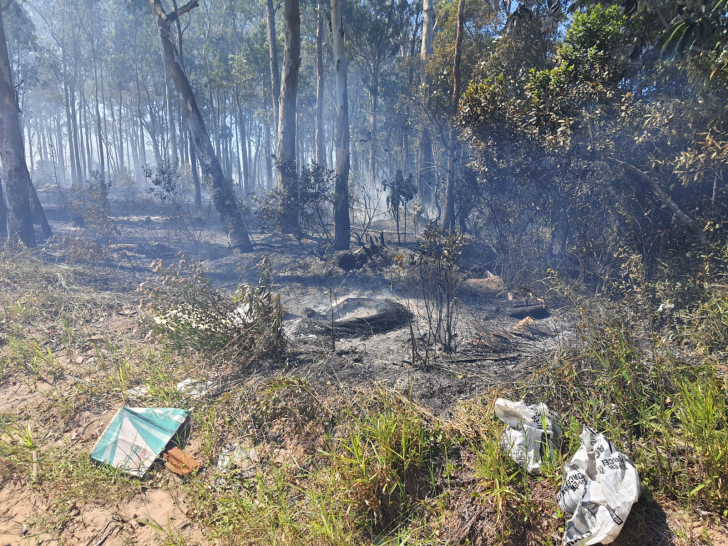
x=599 y=488
x=523 y=438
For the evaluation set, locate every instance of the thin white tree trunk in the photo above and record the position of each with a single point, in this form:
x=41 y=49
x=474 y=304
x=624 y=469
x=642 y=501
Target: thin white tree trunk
x=342 y=222
x=286 y=143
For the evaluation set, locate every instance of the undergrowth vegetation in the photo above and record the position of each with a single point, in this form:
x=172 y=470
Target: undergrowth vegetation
x=339 y=466
x=190 y=312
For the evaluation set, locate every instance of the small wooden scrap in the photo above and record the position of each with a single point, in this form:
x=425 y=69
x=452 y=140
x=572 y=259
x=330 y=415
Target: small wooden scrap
x=179 y=462
x=529 y=329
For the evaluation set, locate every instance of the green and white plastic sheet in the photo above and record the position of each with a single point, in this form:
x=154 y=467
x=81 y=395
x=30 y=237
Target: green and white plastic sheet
x=136 y=436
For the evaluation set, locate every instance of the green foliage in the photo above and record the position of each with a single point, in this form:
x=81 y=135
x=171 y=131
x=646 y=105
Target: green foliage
x=594 y=47
x=401 y=191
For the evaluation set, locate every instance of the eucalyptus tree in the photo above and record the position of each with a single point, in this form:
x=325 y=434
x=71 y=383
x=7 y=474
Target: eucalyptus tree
x=378 y=25
x=319 y=138
x=342 y=223
x=219 y=186
x=286 y=153
x=448 y=221
x=17 y=177
x=425 y=177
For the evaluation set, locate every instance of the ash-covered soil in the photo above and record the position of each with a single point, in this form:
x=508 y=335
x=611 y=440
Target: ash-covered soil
x=487 y=351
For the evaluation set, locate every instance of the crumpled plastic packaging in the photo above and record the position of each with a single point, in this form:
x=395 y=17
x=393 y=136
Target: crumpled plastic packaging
x=523 y=438
x=599 y=488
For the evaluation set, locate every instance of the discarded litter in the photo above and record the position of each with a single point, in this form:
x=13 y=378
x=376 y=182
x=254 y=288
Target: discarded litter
x=523 y=437
x=244 y=458
x=137 y=392
x=599 y=488
x=136 y=436
x=179 y=462
x=194 y=389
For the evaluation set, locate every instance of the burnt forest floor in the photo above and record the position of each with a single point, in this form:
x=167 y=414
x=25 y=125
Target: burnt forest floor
x=352 y=440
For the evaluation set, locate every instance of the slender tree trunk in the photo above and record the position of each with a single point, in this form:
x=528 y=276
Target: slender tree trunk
x=286 y=143
x=425 y=180
x=67 y=104
x=99 y=134
x=17 y=178
x=220 y=188
x=320 y=148
x=342 y=222
x=183 y=137
x=40 y=129
x=3 y=212
x=373 y=129
x=60 y=151
x=121 y=127
x=246 y=182
x=85 y=136
x=275 y=73
x=428 y=26
x=106 y=139
x=75 y=144
x=448 y=222
x=31 y=163
x=268 y=165
x=142 y=142
x=195 y=177
x=172 y=128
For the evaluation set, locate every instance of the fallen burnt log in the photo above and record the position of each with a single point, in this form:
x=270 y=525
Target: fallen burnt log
x=537 y=312
x=362 y=317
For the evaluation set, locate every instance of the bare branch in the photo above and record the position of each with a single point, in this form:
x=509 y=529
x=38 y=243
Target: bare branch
x=6 y=5
x=176 y=14
x=664 y=197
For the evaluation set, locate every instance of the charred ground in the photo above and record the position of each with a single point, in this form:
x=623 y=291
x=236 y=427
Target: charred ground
x=77 y=345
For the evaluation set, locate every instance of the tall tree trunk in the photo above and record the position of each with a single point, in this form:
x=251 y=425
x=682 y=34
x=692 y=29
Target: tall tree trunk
x=320 y=148
x=246 y=183
x=195 y=177
x=448 y=221
x=220 y=188
x=74 y=134
x=373 y=128
x=106 y=139
x=99 y=134
x=142 y=143
x=121 y=127
x=17 y=178
x=428 y=26
x=286 y=143
x=275 y=73
x=86 y=137
x=183 y=137
x=30 y=150
x=426 y=179
x=342 y=222
x=3 y=212
x=172 y=129
x=60 y=152
x=268 y=165
x=69 y=130
x=42 y=148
